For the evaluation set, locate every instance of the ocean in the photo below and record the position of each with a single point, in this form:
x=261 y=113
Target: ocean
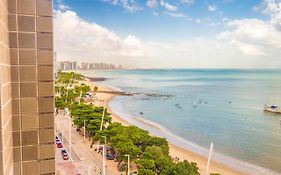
x=201 y=106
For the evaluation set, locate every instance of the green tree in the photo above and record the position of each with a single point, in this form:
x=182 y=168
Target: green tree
x=183 y=168
x=127 y=147
x=143 y=171
x=68 y=77
x=92 y=116
x=60 y=103
x=95 y=89
x=161 y=142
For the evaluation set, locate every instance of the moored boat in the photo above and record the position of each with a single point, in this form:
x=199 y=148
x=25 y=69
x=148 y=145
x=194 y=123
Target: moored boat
x=272 y=108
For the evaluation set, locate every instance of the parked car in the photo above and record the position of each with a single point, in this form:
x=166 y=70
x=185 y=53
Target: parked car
x=99 y=149
x=57 y=140
x=122 y=166
x=110 y=157
x=64 y=154
x=59 y=145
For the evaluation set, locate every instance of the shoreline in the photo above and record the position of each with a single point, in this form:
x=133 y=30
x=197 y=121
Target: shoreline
x=175 y=151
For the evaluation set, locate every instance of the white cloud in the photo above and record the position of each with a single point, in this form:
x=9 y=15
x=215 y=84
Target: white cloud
x=168 y=6
x=187 y=1
x=128 y=5
x=212 y=8
x=75 y=37
x=152 y=4
x=63 y=7
x=256 y=37
x=228 y=1
x=155 y=13
x=252 y=36
x=244 y=43
x=198 y=21
x=271 y=8
x=200 y=53
x=174 y=14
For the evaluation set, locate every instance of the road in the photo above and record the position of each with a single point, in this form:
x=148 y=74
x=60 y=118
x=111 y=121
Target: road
x=83 y=158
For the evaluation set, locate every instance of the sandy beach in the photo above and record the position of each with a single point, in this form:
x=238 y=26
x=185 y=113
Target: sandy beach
x=103 y=98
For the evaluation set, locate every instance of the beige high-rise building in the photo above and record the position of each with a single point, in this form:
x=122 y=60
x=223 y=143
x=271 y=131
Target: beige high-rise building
x=26 y=88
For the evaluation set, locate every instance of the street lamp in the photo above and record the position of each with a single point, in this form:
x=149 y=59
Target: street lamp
x=89 y=169
x=103 y=113
x=127 y=155
x=69 y=123
x=104 y=139
x=69 y=134
x=80 y=96
x=103 y=157
x=84 y=130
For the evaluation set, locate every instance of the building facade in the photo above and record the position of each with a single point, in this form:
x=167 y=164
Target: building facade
x=26 y=81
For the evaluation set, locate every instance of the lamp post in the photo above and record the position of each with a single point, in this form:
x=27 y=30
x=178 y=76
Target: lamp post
x=103 y=113
x=209 y=158
x=127 y=155
x=69 y=134
x=84 y=129
x=103 y=157
x=69 y=123
x=104 y=139
x=89 y=169
x=80 y=96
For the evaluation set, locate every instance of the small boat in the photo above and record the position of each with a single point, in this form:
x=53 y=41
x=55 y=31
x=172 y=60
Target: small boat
x=141 y=113
x=178 y=106
x=272 y=108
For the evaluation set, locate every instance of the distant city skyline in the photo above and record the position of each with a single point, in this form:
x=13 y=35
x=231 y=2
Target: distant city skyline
x=170 y=33
x=76 y=65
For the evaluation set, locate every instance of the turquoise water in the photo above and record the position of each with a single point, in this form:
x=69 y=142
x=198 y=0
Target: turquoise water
x=220 y=106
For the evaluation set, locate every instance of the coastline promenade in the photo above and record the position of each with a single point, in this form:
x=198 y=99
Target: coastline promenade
x=83 y=157
x=103 y=98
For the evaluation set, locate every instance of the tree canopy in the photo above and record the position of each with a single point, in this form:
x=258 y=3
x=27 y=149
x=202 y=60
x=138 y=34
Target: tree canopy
x=150 y=153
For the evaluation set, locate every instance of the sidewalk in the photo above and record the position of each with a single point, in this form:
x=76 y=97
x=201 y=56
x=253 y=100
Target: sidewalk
x=83 y=158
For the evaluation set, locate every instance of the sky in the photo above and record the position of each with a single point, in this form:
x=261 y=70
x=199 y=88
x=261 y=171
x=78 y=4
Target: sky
x=170 y=33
